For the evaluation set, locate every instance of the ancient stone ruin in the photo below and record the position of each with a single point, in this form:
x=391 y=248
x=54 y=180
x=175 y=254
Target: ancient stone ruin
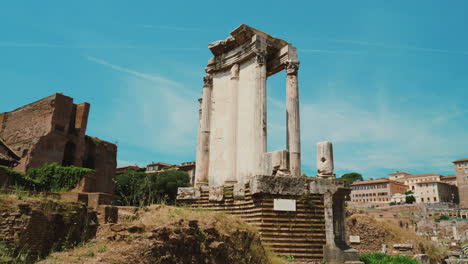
x=53 y=130
x=296 y=216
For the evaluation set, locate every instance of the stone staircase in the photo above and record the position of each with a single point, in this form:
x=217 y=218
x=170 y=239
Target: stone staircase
x=299 y=235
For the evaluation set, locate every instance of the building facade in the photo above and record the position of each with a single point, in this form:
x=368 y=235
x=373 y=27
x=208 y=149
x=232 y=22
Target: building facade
x=434 y=192
x=412 y=180
x=53 y=129
x=461 y=170
x=375 y=192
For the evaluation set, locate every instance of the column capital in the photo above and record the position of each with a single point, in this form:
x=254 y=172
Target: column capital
x=260 y=57
x=235 y=72
x=208 y=80
x=291 y=66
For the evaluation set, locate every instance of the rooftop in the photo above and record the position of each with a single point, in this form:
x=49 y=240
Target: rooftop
x=399 y=172
x=411 y=176
x=368 y=182
x=460 y=160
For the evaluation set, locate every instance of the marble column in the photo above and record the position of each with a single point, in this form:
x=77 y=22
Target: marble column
x=292 y=118
x=329 y=225
x=325 y=160
x=203 y=151
x=231 y=139
x=260 y=114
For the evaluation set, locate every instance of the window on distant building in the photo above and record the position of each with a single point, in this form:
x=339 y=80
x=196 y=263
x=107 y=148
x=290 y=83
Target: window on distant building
x=435 y=199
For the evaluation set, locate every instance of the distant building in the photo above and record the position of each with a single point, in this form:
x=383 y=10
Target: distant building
x=375 y=192
x=432 y=192
x=397 y=175
x=159 y=166
x=450 y=179
x=461 y=170
x=188 y=167
x=126 y=168
x=411 y=180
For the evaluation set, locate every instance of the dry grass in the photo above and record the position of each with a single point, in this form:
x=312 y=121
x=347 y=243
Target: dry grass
x=125 y=248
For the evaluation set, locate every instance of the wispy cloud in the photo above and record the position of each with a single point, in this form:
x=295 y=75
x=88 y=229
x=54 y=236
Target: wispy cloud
x=28 y=45
x=160 y=114
x=170 y=27
x=13 y=44
x=376 y=138
x=321 y=51
x=145 y=76
x=396 y=46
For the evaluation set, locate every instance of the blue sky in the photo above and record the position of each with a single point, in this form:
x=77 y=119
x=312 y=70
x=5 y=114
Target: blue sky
x=385 y=81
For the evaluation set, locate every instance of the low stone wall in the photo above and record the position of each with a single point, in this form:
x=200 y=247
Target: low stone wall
x=32 y=227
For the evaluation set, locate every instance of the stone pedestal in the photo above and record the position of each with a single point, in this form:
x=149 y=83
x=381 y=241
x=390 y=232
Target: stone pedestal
x=318 y=213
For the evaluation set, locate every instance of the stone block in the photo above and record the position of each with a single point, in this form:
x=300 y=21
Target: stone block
x=321 y=186
x=96 y=199
x=239 y=191
x=276 y=163
x=216 y=193
x=261 y=184
x=107 y=214
x=188 y=193
x=75 y=197
x=403 y=247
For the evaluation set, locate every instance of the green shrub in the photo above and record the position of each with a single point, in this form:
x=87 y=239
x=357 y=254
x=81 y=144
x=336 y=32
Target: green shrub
x=19 y=180
x=380 y=258
x=138 y=188
x=443 y=217
x=48 y=178
x=56 y=178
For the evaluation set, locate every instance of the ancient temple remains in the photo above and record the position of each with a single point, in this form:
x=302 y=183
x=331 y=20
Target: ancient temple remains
x=296 y=216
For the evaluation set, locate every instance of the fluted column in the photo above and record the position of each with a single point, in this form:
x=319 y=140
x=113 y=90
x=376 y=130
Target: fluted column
x=231 y=140
x=203 y=151
x=292 y=118
x=260 y=114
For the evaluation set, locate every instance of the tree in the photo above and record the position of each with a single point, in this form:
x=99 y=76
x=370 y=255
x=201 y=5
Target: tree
x=349 y=178
x=139 y=188
x=409 y=199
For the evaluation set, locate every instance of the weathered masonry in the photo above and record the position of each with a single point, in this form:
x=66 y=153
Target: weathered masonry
x=53 y=129
x=296 y=216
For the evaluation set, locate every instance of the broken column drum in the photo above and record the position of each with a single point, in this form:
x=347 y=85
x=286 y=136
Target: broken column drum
x=232 y=145
x=325 y=164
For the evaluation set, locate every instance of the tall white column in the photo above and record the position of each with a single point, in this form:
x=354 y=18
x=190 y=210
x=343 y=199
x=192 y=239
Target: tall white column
x=292 y=118
x=260 y=112
x=231 y=138
x=203 y=151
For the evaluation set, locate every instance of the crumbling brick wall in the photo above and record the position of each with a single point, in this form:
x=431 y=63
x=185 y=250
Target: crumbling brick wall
x=32 y=228
x=53 y=130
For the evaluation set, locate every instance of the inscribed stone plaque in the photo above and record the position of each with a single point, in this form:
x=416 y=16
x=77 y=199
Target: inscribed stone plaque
x=355 y=239
x=284 y=205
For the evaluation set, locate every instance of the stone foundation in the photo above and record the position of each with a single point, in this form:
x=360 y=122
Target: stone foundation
x=301 y=232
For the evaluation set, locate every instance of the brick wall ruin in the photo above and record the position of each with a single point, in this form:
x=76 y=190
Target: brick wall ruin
x=53 y=130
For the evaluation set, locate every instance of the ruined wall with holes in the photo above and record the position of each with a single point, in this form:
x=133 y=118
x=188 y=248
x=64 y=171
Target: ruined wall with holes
x=22 y=231
x=53 y=130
